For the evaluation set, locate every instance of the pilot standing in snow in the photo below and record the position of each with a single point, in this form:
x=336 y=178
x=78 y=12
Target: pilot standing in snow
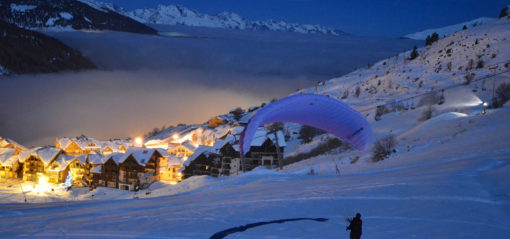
x=355 y=226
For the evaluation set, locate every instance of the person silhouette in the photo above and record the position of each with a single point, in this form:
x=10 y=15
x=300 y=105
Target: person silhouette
x=355 y=226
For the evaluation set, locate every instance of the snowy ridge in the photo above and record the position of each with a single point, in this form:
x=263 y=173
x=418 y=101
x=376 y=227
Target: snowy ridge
x=448 y=30
x=178 y=15
x=479 y=51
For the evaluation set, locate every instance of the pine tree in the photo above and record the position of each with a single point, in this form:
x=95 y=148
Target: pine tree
x=504 y=12
x=431 y=39
x=464 y=27
x=414 y=54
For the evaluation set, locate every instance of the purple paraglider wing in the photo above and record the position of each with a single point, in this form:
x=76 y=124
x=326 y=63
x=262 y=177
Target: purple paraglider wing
x=318 y=111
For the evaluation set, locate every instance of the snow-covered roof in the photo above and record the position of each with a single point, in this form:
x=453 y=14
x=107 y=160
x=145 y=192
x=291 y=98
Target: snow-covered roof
x=96 y=169
x=82 y=158
x=220 y=143
x=85 y=142
x=116 y=157
x=7 y=157
x=188 y=145
x=174 y=160
x=246 y=117
x=48 y=153
x=262 y=134
x=202 y=149
x=64 y=142
x=237 y=130
x=142 y=155
x=62 y=160
x=96 y=158
x=26 y=153
x=5 y=142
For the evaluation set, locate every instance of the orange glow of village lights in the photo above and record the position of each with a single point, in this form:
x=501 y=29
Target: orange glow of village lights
x=175 y=136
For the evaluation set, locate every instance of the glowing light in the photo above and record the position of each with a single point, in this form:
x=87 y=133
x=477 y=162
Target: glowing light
x=184 y=158
x=139 y=141
x=485 y=104
x=175 y=136
x=173 y=182
x=42 y=184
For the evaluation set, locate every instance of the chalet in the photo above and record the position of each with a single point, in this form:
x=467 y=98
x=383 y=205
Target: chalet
x=79 y=169
x=110 y=170
x=106 y=150
x=9 y=143
x=170 y=171
x=199 y=163
x=8 y=163
x=263 y=150
x=215 y=122
x=183 y=150
x=58 y=169
x=84 y=145
x=35 y=161
x=219 y=160
x=228 y=157
x=69 y=146
x=140 y=167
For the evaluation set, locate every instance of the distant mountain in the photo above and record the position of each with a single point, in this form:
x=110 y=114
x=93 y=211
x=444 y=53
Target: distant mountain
x=25 y=51
x=68 y=15
x=178 y=15
x=448 y=30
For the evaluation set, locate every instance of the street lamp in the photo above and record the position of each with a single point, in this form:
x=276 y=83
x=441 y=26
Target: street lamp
x=484 y=108
x=139 y=141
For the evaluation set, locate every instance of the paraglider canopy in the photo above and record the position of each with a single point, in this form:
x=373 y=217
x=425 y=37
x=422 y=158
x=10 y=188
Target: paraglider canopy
x=318 y=111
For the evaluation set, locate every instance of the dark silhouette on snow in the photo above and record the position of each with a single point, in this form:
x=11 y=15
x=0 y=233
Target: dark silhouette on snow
x=355 y=226
x=229 y=231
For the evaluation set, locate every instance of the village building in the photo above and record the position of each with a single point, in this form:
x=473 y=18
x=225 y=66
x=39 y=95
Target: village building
x=263 y=150
x=199 y=163
x=35 y=162
x=183 y=150
x=222 y=159
x=109 y=176
x=140 y=167
x=228 y=158
x=69 y=146
x=56 y=170
x=8 y=163
x=9 y=143
x=171 y=171
x=96 y=165
x=84 y=145
x=215 y=122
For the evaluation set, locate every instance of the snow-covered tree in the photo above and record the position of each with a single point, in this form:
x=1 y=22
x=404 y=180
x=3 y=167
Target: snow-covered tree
x=68 y=181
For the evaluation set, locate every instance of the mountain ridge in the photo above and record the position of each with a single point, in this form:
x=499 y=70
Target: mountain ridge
x=179 y=15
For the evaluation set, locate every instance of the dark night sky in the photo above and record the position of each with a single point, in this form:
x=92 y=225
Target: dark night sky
x=361 y=17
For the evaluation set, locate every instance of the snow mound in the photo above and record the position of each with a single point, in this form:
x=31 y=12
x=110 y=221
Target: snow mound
x=434 y=123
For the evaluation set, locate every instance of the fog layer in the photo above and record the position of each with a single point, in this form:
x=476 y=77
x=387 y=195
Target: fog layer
x=151 y=81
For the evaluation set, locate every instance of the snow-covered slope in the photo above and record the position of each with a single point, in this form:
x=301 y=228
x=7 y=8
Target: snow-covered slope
x=478 y=51
x=448 y=30
x=178 y=15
